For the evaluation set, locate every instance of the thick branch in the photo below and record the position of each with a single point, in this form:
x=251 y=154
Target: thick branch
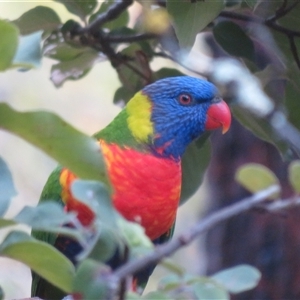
x=112 y=13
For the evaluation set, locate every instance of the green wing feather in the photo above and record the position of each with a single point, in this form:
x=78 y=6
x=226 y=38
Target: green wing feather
x=51 y=192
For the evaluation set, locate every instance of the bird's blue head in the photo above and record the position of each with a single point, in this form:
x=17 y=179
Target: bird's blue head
x=179 y=110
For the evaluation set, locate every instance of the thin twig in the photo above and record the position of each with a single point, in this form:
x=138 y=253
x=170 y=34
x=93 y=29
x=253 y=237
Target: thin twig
x=283 y=10
x=254 y=19
x=294 y=50
x=280 y=205
x=241 y=17
x=188 y=236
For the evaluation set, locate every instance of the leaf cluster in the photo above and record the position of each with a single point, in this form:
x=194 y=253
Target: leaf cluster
x=264 y=37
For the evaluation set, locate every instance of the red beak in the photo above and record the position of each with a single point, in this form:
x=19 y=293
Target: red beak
x=218 y=115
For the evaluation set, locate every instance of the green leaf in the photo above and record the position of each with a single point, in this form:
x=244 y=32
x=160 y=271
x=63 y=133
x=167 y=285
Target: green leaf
x=255 y=177
x=191 y=18
x=7 y=188
x=120 y=21
x=9 y=43
x=122 y=96
x=96 y=196
x=81 y=8
x=136 y=73
x=53 y=47
x=70 y=147
x=238 y=279
x=167 y=72
x=87 y=282
x=74 y=69
x=37 y=19
x=135 y=236
x=46 y=215
x=189 y=287
x=294 y=175
x=170 y=282
x=205 y=288
x=194 y=163
x=132 y=296
x=42 y=258
x=232 y=38
x=104 y=246
x=29 y=53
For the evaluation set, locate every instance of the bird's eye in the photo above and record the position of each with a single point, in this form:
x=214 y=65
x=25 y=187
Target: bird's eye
x=185 y=99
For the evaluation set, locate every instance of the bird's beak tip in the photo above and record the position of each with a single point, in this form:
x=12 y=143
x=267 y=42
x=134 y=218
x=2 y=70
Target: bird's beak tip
x=218 y=115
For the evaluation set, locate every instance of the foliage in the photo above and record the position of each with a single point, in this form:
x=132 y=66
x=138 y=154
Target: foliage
x=263 y=35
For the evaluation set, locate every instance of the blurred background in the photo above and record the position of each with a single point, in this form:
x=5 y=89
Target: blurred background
x=87 y=105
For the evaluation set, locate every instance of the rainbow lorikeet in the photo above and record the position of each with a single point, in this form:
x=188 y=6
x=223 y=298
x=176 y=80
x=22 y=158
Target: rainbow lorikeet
x=142 y=149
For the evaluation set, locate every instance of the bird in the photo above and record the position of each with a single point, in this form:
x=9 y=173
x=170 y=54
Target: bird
x=142 y=148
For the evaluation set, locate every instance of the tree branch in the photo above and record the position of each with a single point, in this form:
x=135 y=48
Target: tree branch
x=112 y=13
x=253 y=19
x=283 y=10
x=280 y=205
x=189 y=235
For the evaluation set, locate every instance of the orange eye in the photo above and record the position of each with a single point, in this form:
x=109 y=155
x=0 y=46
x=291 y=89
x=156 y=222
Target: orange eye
x=185 y=99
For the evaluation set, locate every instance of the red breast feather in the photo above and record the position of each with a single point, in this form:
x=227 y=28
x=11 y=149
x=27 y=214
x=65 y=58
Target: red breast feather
x=146 y=187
